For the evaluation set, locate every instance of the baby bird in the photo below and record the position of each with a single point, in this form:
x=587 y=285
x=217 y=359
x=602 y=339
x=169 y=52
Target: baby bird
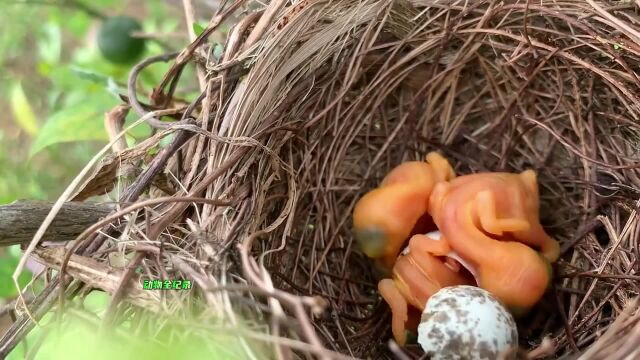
x=386 y=217
x=491 y=220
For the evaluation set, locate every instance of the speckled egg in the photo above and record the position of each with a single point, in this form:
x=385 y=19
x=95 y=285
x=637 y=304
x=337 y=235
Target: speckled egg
x=466 y=322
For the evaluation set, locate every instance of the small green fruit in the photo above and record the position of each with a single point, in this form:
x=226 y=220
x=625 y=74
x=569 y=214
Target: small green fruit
x=115 y=41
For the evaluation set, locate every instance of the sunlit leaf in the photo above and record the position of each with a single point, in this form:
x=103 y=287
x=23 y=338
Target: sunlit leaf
x=18 y=353
x=77 y=339
x=96 y=301
x=50 y=45
x=80 y=122
x=14 y=251
x=22 y=111
x=197 y=28
x=44 y=68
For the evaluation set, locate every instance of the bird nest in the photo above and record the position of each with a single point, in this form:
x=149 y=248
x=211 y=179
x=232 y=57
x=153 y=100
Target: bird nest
x=311 y=104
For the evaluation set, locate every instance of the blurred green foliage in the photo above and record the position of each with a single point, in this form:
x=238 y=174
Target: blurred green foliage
x=77 y=338
x=9 y=259
x=55 y=87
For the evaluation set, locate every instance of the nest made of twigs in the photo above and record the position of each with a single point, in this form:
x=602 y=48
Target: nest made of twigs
x=312 y=103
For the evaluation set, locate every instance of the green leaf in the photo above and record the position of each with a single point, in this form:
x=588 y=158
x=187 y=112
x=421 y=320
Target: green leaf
x=8 y=264
x=96 y=301
x=20 y=351
x=97 y=78
x=45 y=69
x=50 y=45
x=141 y=131
x=22 y=111
x=77 y=339
x=165 y=141
x=79 y=122
x=14 y=251
x=198 y=29
x=90 y=75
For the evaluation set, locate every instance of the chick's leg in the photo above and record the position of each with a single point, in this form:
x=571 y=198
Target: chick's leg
x=399 y=309
x=426 y=244
x=486 y=207
x=441 y=248
x=549 y=247
x=441 y=166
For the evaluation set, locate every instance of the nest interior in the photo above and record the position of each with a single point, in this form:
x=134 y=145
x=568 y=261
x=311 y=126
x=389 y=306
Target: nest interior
x=312 y=103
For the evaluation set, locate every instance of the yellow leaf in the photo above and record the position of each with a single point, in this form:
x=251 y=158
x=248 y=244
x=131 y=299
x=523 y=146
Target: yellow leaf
x=22 y=112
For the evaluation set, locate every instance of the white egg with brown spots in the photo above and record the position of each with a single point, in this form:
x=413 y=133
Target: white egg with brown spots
x=466 y=322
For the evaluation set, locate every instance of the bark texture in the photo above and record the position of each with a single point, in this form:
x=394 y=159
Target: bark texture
x=20 y=220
